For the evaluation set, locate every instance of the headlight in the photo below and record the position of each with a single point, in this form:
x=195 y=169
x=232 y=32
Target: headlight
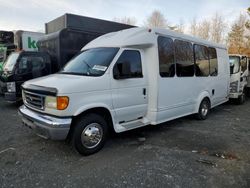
x=58 y=103
x=11 y=87
x=234 y=87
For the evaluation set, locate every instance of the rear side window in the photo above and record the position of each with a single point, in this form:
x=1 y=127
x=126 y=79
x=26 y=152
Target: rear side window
x=166 y=56
x=133 y=59
x=213 y=62
x=184 y=58
x=201 y=60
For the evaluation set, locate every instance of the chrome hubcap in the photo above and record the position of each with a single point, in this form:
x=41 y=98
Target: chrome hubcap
x=204 y=109
x=92 y=135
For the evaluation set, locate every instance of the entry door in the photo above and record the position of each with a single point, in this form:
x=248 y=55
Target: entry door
x=129 y=89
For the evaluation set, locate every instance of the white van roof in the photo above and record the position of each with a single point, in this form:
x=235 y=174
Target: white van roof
x=141 y=38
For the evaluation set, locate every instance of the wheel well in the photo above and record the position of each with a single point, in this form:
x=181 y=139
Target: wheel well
x=100 y=111
x=207 y=98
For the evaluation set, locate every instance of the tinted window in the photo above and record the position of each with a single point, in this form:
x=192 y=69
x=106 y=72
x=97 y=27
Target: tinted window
x=201 y=60
x=166 y=57
x=213 y=62
x=184 y=58
x=243 y=64
x=130 y=59
x=37 y=63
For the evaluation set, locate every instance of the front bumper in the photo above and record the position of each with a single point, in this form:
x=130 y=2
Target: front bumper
x=45 y=126
x=11 y=97
x=234 y=95
x=3 y=87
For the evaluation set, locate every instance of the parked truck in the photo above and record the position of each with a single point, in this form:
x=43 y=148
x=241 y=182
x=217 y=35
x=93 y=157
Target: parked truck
x=6 y=45
x=126 y=80
x=24 y=51
x=239 y=71
x=65 y=36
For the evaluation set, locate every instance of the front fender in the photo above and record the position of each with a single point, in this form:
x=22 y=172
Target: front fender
x=95 y=105
x=91 y=106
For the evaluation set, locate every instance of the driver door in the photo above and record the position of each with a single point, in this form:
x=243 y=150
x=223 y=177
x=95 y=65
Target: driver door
x=129 y=87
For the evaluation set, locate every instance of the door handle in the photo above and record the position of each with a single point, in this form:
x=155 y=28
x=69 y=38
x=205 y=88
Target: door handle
x=144 y=91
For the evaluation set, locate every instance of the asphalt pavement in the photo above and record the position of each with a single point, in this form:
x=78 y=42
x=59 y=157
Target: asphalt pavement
x=180 y=153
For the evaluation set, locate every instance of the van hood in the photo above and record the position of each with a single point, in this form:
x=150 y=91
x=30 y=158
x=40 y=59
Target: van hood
x=67 y=84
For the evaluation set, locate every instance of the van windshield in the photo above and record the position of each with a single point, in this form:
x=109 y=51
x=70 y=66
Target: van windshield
x=91 y=62
x=234 y=64
x=10 y=62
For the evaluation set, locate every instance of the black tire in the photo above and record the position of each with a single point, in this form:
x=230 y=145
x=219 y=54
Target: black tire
x=87 y=130
x=203 y=110
x=242 y=98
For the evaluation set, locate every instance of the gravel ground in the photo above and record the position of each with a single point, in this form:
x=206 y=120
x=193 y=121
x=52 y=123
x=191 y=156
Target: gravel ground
x=180 y=153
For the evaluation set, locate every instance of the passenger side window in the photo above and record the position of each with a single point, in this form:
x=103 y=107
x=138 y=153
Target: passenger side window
x=128 y=65
x=201 y=60
x=184 y=58
x=166 y=56
x=243 y=64
x=213 y=62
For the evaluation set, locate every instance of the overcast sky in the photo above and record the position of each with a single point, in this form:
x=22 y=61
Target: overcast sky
x=32 y=14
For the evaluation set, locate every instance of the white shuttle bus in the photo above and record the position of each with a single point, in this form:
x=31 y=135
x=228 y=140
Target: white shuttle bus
x=126 y=80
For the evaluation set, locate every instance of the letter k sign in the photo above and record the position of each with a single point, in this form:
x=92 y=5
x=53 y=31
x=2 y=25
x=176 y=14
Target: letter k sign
x=31 y=43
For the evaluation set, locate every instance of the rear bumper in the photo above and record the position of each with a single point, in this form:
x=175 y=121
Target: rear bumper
x=45 y=126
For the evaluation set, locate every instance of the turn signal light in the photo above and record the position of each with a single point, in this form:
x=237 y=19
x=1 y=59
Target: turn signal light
x=62 y=102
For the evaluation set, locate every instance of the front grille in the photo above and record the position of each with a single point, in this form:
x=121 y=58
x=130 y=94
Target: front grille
x=33 y=100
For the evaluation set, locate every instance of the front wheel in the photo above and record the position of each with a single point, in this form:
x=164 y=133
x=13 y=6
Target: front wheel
x=203 y=109
x=242 y=98
x=90 y=133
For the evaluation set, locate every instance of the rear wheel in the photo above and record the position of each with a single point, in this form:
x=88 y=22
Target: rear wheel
x=203 y=109
x=90 y=133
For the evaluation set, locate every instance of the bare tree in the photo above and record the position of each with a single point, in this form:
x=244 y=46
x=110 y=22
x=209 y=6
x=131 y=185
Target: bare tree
x=248 y=27
x=218 y=27
x=203 y=30
x=177 y=28
x=237 y=40
x=126 y=20
x=248 y=21
x=156 y=19
x=194 y=27
x=180 y=26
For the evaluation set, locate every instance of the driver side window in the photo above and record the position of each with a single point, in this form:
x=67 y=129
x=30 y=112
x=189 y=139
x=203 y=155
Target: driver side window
x=128 y=65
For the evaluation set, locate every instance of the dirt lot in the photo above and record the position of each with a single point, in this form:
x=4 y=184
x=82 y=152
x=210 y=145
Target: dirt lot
x=181 y=153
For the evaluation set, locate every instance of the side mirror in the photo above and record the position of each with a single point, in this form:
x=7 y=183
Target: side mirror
x=122 y=70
